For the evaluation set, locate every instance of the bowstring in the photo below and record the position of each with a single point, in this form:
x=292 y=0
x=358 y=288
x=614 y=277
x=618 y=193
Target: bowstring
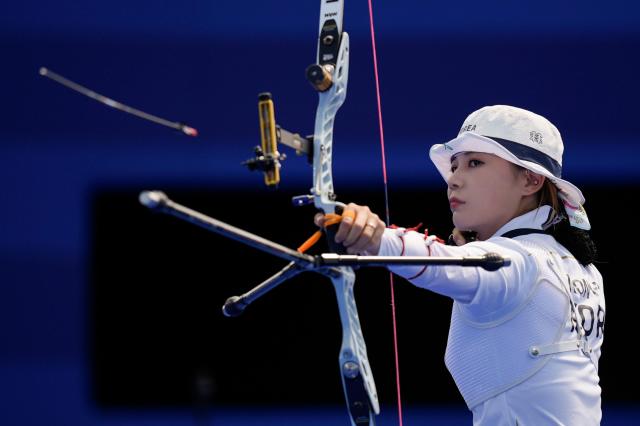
x=386 y=203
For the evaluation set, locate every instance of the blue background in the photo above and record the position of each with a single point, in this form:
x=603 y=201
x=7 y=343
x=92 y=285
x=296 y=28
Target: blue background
x=204 y=63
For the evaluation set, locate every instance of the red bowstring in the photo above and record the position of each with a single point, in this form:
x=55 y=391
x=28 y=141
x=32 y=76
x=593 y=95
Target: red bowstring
x=386 y=202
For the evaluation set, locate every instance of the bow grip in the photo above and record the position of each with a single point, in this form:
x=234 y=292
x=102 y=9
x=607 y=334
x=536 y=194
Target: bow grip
x=331 y=232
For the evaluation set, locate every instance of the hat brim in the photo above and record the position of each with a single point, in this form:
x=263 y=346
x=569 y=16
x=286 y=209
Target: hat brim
x=441 y=154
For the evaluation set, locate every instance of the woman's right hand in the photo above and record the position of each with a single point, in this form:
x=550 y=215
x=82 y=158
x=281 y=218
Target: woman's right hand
x=360 y=230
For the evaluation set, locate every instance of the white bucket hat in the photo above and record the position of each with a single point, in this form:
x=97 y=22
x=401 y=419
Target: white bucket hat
x=520 y=137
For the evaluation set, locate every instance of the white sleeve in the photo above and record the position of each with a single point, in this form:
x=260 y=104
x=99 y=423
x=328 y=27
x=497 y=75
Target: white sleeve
x=483 y=292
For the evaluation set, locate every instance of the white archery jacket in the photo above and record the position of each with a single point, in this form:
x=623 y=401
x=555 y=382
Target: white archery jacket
x=524 y=341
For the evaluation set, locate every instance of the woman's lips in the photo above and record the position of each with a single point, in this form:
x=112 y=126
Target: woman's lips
x=455 y=202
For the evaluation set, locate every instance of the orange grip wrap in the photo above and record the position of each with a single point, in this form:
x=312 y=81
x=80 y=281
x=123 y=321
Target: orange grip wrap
x=329 y=219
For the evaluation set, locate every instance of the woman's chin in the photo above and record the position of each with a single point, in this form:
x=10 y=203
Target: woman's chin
x=464 y=225
x=459 y=221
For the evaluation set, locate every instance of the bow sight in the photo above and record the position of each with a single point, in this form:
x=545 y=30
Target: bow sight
x=321 y=77
x=267 y=158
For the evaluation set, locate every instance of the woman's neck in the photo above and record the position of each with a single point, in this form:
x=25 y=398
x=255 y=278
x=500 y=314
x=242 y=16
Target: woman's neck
x=527 y=204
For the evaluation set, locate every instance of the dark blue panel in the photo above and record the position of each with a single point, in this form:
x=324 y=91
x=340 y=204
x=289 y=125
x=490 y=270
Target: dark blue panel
x=289 y=18
x=204 y=63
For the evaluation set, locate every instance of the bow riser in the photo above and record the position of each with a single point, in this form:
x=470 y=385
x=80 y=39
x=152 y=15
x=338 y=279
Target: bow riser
x=357 y=378
x=329 y=103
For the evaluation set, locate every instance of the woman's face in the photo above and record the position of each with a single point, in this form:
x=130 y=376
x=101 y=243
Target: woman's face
x=485 y=192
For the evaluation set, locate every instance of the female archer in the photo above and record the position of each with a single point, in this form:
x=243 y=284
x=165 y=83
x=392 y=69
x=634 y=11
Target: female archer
x=524 y=341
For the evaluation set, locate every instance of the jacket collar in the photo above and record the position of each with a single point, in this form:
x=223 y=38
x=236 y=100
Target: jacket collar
x=530 y=220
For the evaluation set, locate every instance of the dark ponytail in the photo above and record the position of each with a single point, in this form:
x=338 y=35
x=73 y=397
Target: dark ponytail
x=577 y=241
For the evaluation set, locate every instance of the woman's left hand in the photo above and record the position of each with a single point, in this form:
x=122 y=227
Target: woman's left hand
x=360 y=230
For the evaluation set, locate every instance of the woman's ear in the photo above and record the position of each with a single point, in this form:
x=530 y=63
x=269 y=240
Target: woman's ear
x=533 y=182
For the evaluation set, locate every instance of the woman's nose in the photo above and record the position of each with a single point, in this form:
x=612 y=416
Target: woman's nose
x=454 y=181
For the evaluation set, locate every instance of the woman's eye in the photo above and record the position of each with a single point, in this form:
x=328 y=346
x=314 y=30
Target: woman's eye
x=453 y=168
x=474 y=163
